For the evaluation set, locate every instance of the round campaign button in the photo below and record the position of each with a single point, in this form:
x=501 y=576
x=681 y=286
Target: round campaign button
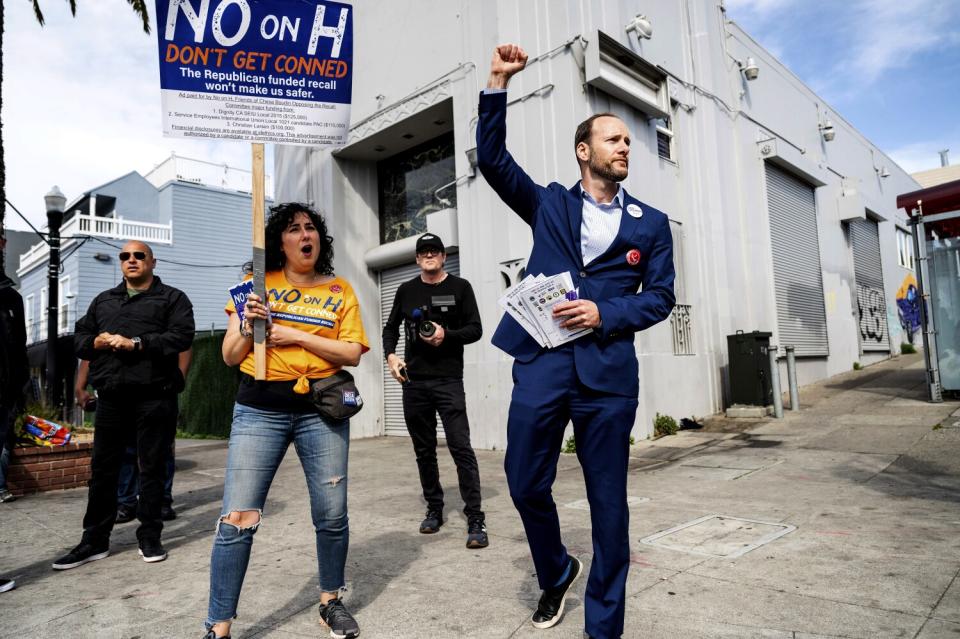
x=633 y=257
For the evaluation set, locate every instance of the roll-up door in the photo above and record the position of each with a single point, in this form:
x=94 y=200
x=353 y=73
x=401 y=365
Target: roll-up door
x=871 y=302
x=390 y=281
x=798 y=279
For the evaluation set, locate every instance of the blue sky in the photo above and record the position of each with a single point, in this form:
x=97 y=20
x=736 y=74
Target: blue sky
x=81 y=99
x=890 y=67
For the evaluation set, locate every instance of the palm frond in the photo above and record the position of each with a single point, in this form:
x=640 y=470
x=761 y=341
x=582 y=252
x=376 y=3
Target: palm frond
x=37 y=12
x=140 y=8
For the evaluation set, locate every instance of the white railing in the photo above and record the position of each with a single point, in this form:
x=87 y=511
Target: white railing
x=108 y=227
x=682 y=328
x=117 y=228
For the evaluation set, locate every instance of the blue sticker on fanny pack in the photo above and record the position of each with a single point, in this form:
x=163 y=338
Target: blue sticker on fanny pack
x=351 y=398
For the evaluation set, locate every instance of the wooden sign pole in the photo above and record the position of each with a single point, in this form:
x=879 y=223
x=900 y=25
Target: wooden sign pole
x=259 y=262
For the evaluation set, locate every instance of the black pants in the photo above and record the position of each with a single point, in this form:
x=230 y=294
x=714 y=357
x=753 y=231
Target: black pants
x=422 y=400
x=150 y=426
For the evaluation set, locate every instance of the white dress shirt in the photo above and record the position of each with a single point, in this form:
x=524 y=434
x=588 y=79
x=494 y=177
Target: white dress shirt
x=600 y=225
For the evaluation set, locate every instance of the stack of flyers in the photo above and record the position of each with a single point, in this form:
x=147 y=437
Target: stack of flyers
x=531 y=303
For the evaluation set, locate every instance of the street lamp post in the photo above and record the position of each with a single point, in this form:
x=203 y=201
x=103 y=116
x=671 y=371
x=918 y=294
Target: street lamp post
x=55 y=202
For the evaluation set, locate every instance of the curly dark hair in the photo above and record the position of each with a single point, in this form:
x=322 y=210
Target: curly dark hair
x=280 y=218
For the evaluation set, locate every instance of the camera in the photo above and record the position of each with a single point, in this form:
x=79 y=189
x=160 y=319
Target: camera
x=423 y=326
x=427 y=329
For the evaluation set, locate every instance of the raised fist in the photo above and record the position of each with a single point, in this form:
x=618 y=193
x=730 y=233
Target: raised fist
x=508 y=59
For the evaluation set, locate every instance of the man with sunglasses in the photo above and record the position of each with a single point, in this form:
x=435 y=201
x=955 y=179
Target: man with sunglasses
x=132 y=336
x=440 y=315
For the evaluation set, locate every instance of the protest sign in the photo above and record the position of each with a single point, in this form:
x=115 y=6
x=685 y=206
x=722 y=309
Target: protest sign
x=257 y=70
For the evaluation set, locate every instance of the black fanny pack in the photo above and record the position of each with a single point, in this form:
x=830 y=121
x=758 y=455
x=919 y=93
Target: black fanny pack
x=336 y=397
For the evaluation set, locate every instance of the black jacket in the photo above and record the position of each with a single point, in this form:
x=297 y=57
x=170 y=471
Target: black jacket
x=13 y=346
x=161 y=316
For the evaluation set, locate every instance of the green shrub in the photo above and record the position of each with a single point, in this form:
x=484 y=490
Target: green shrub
x=570 y=446
x=206 y=404
x=664 y=425
x=857 y=366
x=907 y=348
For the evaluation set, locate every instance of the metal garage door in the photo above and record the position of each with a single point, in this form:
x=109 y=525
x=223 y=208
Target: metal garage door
x=390 y=281
x=871 y=302
x=798 y=280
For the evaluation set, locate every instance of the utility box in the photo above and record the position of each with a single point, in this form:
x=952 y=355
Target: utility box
x=750 y=368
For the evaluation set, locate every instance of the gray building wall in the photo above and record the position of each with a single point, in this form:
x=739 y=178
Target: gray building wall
x=725 y=130
x=17 y=242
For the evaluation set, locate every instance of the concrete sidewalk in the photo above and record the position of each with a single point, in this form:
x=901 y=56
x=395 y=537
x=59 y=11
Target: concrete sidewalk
x=863 y=473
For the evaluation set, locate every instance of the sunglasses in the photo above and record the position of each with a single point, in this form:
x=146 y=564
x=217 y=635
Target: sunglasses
x=138 y=255
x=429 y=252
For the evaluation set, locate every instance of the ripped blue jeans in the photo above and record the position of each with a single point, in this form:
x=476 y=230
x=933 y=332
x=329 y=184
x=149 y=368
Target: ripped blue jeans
x=258 y=441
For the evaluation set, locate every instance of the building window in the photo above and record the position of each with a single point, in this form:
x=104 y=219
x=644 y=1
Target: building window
x=664 y=138
x=905 y=249
x=28 y=319
x=43 y=313
x=414 y=184
x=64 y=305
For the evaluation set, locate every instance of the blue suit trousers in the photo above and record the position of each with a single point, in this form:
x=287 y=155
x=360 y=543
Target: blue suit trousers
x=547 y=394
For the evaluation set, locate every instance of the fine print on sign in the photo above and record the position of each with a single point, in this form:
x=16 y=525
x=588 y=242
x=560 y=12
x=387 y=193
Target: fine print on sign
x=256 y=70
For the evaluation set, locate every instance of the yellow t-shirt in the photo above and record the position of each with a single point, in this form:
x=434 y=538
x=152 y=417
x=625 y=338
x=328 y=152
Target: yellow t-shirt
x=330 y=310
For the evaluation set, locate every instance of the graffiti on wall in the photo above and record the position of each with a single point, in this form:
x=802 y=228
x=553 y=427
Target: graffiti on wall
x=908 y=306
x=873 y=314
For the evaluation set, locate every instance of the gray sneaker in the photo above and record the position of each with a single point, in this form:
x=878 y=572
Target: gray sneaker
x=341 y=623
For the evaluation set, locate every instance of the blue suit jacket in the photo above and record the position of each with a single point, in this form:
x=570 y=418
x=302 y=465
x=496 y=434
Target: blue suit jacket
x=605 y=360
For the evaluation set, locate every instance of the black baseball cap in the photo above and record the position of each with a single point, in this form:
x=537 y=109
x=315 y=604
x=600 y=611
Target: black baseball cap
x=429 y=240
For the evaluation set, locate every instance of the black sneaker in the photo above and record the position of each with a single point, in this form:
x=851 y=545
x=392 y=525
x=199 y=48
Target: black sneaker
x=432 y=522
x=551 y=604
x=341 y=623
x=152 y=550
x=7 y=584
x=477 y=533
x=167 y=513
x=80 y=555
x=212 y=635
x=126 y=513
x=6 y=496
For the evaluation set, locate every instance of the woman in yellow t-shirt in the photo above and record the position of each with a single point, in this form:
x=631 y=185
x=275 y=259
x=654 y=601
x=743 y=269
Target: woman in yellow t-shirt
x=314 y=329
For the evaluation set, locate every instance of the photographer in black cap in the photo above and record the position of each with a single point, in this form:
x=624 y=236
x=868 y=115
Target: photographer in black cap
x=439 y=313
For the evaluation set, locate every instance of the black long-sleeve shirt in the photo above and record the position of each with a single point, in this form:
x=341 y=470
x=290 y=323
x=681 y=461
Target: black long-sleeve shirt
x=451 y=304
x=161 y=316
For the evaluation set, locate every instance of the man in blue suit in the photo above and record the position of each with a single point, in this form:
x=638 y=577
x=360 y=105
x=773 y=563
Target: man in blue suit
x=612 y=245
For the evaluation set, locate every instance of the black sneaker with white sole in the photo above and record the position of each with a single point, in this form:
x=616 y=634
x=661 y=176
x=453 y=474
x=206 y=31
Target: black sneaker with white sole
x=212 y=635
x=550 y=607
x=82 y=554
x=7 y=584
x=152 y=550
x=341 y=623
x=477 y=533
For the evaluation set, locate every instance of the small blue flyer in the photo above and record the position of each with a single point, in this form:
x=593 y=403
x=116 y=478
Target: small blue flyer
x=239 y=294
